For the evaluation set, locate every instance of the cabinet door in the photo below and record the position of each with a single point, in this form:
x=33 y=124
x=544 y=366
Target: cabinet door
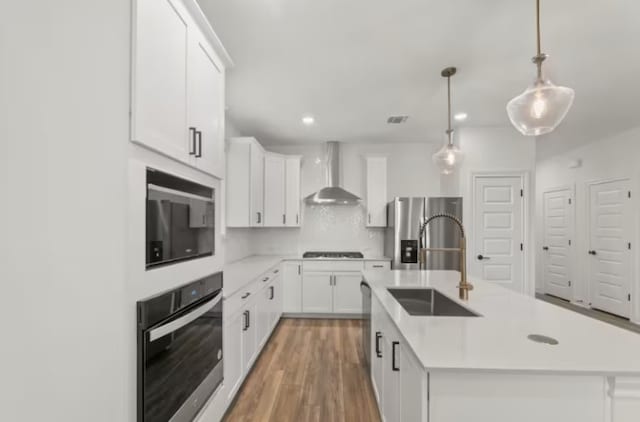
x=233 y=362
x=376 y=191
x=206 y=107
x=256 y=187
x=249 y=338
x=411 y=397
x=274 y=169
x=292 y=286
x=276 y=302
x=378 y=352
x=347 y=296
x=159 y=89
x=391 y=378
x=263 y=315
x=317 y=292
x=292 y=192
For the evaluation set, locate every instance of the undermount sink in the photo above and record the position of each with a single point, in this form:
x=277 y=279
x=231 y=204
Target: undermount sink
x=429 y=302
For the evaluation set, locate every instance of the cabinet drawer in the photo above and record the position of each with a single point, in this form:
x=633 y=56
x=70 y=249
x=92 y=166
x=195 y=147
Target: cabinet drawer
x=377 y=265
x=332 y=266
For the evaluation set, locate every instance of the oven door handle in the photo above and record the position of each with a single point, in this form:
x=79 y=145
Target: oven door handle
x=176 y=324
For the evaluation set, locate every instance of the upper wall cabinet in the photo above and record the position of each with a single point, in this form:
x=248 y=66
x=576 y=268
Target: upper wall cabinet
x=376 y=177
x=292 y=191
x=263 y=188
x=245 y=183
x=274 y=195
x=178 y=76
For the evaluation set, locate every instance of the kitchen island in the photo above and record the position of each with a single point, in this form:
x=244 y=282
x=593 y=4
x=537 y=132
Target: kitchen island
x=486 y=368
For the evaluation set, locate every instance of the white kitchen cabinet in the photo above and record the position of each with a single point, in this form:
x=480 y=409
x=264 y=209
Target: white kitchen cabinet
x=396 y=374
x=347 y=296
x=377 y=265
x=205 y=107
x=263 y=316
x=292 y=191
x=159 y=90
x=177 y=103
x=317 y=292
x=292 y=286
x=376 y=200
x=245 y=183
x=275 y=298
x=249 y=336
x=234 y=333
x=274 y=195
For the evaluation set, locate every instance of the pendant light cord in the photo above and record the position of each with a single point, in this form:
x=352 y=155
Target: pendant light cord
x=539 y=57
x=449 y=131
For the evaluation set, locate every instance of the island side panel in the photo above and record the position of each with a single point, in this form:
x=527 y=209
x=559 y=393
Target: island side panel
x=462 y=397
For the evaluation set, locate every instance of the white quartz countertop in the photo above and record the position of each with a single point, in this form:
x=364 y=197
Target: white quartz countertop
x=242 y=272
x=497 y=340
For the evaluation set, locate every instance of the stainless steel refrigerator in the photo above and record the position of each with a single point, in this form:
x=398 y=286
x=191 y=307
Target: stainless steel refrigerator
x=405 y=216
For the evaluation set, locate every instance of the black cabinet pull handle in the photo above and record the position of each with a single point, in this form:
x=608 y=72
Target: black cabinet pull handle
x=264 y=280
x=284 y=219
x=246 y=320
x=378 y=337
x=259 y=217
x=272 y=293
x=296 y=218
x=592 y=252
x=393 y=355
x=199 y=136
x=378 y=266
x=192 y=150
x=545 y=248
x=246 y=295
x=276 y=271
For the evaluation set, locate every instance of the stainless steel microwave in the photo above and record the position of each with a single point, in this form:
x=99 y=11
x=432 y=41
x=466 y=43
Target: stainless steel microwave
x=180 y=219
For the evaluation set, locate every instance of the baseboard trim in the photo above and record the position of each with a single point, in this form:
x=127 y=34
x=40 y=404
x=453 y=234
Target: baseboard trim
x=303 y=315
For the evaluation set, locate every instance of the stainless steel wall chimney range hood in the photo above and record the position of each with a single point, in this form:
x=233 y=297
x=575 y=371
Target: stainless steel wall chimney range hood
x=332 y=194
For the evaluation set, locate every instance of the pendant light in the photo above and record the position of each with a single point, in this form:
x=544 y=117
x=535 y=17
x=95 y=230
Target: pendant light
x=449 y=157
x=543 y=105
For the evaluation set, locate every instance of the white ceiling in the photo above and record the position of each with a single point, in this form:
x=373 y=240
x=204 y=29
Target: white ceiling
x=353 y=63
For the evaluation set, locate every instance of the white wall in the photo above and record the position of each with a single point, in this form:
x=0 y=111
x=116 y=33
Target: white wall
x=64 y=129
x=611 y=158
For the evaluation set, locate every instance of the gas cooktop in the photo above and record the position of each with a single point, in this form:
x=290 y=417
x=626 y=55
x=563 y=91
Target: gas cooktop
x=323 y=254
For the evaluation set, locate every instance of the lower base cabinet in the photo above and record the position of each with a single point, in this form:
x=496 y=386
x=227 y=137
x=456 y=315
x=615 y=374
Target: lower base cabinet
x=397 y=376
x=233 y=364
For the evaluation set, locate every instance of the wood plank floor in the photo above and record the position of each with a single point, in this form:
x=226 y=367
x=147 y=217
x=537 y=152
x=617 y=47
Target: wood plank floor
x=310 y=370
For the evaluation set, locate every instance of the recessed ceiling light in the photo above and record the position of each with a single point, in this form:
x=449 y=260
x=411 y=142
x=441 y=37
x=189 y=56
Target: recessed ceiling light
x=308 y=120
x=460 y=116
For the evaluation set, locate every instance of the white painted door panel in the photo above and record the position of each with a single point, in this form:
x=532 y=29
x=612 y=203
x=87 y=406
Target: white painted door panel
x=274 y=190
x=498 y=230
x=206 y=107
x=558 y=230
x=347 y=296
x=256 y=187
x=611 y=229
x=317 y=292
x=233 y=362
x=292 y=191
x=292 y=286
x=159 y=118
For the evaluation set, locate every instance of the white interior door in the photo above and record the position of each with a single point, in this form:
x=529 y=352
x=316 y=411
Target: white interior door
x=611 y=229
x=558 y=231
x=498 y=230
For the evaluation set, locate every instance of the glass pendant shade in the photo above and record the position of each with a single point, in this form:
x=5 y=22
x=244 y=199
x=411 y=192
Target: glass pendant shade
x=540 y=108
x=448 y=158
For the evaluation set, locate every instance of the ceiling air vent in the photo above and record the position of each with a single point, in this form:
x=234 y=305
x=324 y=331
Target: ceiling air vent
x=396 y=120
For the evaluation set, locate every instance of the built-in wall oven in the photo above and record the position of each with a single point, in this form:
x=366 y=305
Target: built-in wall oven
x=180 y=361
x=180 y=219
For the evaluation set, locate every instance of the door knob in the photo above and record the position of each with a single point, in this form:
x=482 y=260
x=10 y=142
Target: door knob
x=592 y=252
x=480 y=257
